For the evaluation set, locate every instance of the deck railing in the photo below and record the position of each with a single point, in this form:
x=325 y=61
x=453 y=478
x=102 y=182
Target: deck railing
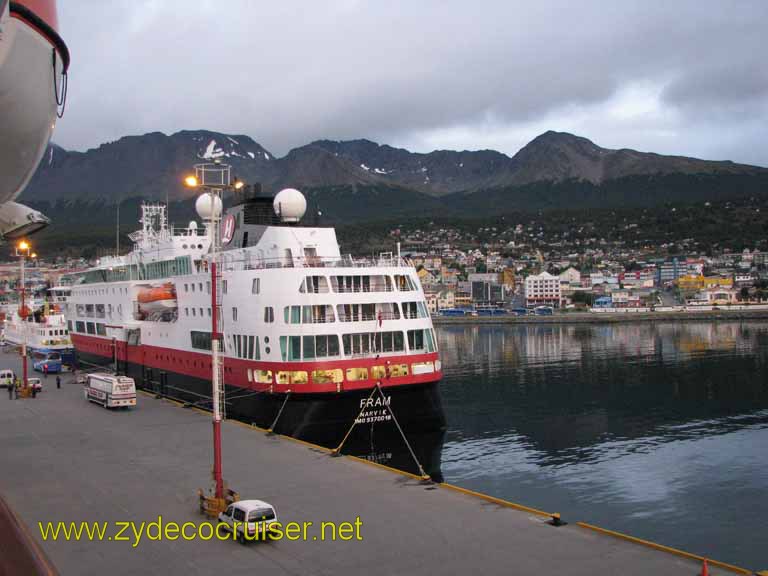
x=232 y=263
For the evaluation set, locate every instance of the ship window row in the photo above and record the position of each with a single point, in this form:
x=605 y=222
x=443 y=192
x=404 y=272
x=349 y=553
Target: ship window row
x=357 y=283
x=89 y=327
x=314 y=314
x=52 y=332
x=323 y=313
x=80 y=292
x=244 y=346
x=179 y=266
x=95 y=310
x=194 y=311
x=309 y=347
x=362 y=344
x=339 y=375
x=197 y=287
x=202 y=340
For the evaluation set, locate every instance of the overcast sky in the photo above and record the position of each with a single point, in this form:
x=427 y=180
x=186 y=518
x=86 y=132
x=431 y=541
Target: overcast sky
x=673 y=77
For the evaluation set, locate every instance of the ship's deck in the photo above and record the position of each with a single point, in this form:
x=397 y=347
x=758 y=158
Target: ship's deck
x=65 y=459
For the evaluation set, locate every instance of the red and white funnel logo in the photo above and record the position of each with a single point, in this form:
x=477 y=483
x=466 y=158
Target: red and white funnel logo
x=228 y=229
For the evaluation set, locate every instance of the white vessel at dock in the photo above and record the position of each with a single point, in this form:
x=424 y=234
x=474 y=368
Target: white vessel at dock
x=42 y=326
x=299 y=319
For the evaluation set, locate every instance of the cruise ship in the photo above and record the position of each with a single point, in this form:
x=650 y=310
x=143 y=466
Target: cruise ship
x=308 y=332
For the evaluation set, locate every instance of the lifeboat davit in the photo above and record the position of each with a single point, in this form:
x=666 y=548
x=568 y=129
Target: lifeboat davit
x=33 y=65
x=157 y=298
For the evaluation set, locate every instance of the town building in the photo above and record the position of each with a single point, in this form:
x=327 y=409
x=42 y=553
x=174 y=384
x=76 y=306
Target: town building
x=542 y=290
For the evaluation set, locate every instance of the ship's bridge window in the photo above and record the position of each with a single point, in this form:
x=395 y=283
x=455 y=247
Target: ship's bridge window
x=234 y=314
x=367 y=312
x=314 y=285
x=421 y=340
x=404 y=283
x=89 y=310
x=269 y=314
x=315 y=314
x=256 y=286
x=362 y=283
x=415 y=310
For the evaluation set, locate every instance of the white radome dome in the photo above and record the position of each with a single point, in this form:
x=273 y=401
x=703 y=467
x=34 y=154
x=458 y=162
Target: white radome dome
x=207 y=206
x=290 y=205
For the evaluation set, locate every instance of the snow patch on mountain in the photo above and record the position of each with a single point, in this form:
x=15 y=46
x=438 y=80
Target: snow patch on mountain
x=212 y=152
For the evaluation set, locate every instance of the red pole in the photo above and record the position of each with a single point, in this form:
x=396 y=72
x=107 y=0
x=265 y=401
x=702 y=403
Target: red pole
x=214 y=380
x=24 y=345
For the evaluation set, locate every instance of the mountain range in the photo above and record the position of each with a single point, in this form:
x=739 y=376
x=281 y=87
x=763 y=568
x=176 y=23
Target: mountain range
x=363 y=180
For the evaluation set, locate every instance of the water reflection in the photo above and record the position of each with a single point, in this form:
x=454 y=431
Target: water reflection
x=656 y=429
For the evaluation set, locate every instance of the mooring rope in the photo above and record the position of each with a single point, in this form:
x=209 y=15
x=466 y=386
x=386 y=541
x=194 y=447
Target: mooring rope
x=271 y=429
x=337 y=451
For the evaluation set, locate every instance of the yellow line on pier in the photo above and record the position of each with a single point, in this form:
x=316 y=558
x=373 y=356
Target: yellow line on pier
x=663 y=548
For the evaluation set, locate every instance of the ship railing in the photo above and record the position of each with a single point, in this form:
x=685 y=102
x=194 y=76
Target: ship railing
x=370 y=317
x=254 y=263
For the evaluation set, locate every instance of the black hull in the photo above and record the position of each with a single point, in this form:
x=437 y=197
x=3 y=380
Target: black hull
x=321 y=419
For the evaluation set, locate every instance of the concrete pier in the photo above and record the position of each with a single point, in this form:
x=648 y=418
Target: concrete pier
x=63 y=459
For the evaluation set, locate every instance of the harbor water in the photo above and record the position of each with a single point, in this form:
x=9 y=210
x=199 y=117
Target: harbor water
x=659 y=430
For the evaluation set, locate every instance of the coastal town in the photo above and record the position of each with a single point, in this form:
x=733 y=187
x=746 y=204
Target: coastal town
x=502 y=278
x=487 y=272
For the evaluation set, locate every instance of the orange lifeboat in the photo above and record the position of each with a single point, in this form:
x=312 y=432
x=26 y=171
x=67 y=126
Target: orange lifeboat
x=157 y=298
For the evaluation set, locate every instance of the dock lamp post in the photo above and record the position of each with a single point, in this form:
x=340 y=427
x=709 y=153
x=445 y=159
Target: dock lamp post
x=213 y=179
x=23 y=251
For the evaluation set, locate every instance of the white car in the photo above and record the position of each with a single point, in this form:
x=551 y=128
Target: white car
x=255 y=516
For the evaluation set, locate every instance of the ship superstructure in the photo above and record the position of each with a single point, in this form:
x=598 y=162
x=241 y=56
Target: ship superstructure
x=298 y=317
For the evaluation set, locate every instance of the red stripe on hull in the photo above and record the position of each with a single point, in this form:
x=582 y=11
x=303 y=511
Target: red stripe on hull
x=198 y=365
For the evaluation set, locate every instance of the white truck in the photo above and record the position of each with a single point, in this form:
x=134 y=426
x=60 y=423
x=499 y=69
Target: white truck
x=110 y=391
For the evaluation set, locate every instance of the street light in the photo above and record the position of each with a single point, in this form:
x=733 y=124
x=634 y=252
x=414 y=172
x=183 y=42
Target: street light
x=23 y=250
x=214 y=179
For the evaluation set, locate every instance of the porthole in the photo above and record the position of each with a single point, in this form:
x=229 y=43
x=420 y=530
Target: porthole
x=267 y=350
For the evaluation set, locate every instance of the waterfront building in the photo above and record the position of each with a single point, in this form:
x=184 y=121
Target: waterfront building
x=668 y=272
x=543 y=290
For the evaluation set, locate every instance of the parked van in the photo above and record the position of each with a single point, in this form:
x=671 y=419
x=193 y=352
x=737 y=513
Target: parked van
x=49 y=362
x=110 y=391
x=7 y=378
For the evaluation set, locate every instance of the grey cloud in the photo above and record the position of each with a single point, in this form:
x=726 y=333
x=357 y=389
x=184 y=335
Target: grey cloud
x=290 y=72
